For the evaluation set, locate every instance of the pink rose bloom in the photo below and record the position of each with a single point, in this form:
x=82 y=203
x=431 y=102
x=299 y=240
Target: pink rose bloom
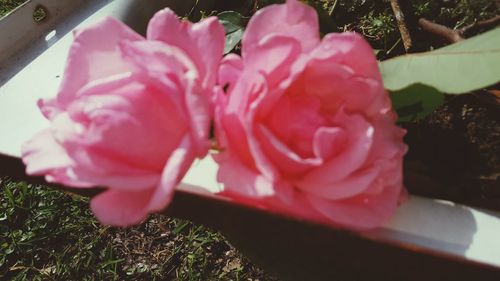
x=131 y=114
x=305 y=125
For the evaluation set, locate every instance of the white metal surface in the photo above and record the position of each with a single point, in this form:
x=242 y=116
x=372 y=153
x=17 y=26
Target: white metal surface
x=443 y=226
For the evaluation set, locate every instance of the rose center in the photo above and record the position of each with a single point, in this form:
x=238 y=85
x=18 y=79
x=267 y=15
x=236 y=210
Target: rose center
x=295 y=120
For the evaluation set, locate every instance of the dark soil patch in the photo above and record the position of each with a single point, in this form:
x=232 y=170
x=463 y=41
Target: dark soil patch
x=455 y=152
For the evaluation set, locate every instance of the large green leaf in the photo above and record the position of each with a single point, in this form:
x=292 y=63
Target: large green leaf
x=232 y=22
x=459 y=68
x=415 y=102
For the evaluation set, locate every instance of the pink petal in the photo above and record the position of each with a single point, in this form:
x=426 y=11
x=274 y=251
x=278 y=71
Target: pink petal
x=169 y=69
x=273 y=57
x=235 y=137
x=134 y=109
x=93 y=46
x=279 y=200
x=337 y=85
x=232 y=115
x=294 y=119
x=287 y=161
x=177 y=166
x=135 y=180
x=238 y=129
x=202 y=41
x=97 y=135
x=239 y=179
x=49 y=107
x=91 y=168
x=329 y=142
x=359 y=143
x=42 y=154
x=242 y=106
x=391 y=174
x=388 y=139
x=210 y=38
x=158 y=59
x=120 y=208
x=229 y=71
x=293 y=19
x=200 y=109
x=362 y=212
x=220 y=102
x=341 y=48
x=261 y=160
x=246 y=92
x=353 y=185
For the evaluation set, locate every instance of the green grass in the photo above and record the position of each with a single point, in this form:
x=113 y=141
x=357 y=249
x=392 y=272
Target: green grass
x=46 y=234
x=8 y=5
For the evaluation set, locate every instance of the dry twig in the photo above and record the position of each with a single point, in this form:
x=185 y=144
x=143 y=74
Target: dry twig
x=403 y=29
x=255 y=6
x=456 y=35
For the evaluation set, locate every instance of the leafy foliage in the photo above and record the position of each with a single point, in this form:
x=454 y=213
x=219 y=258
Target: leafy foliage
x=326 y=22
x=48 y=233
x=455 y=14
x=416 y=102
x=233 y=26
x=459 y=68
x=378 y=25
x=418 y=81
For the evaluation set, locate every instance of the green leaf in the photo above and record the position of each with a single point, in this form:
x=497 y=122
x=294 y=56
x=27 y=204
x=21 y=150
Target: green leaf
x=232 y=22
x=415 y=102
x=459 y=68
x=178 y=228
x=232 y=39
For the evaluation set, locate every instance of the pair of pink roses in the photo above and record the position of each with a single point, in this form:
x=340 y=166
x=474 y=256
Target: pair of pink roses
x=304 y=125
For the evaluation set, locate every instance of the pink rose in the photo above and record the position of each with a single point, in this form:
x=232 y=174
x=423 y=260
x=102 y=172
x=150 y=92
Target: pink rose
x=305 y=125
x=131 y=114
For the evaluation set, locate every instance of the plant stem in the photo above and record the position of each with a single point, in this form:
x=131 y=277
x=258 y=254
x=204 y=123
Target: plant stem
x=449 y=34
x=456 y=35
x=332 y=8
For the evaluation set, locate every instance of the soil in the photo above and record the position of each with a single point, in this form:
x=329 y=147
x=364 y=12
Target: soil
x=455 y=152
